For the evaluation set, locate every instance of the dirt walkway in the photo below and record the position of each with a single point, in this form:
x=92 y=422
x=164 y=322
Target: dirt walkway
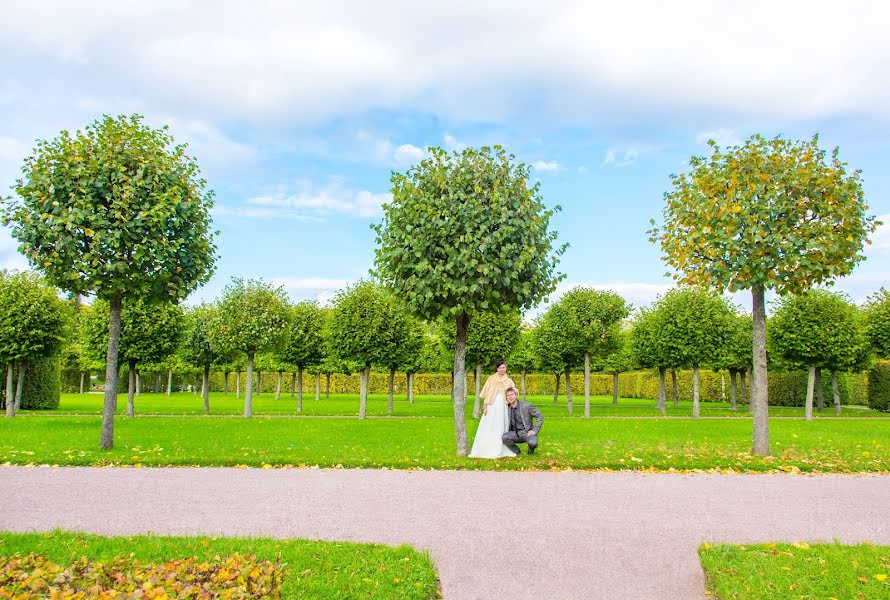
x=493 y=535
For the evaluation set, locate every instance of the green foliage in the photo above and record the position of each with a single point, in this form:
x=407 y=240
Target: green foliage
x=414 y=346
x=644 y=341
x=305 y=344
x=490 y=336
x=877 y=316
x=41 y=389
x=115 y=210
x=366 y=326
x=196 y=347
x=557 y=345
x=879 y=386
x=773 y=214
x=595 y=318
x=621 y=358
x=150 y=331
x=819 y=328
x=252 y=317
x=738 y=353
x=522 y=357
x=693 y=326
x=33 y=320
x=464 y=234
x=789 y=388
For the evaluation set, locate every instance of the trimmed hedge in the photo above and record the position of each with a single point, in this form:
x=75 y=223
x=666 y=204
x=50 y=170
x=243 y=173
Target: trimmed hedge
x=879 y=386
x=42 y=389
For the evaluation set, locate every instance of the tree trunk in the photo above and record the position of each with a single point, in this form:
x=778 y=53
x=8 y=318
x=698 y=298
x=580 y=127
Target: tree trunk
x=363 y=392
x=20 y=385
x=759 y=383
x=131 y=390
x=237 y=384
x=568 y=392
x=81 y=381
x=317 y=387
x=523 y=383
x=299 y=389
x=695 y=406
x=743 y=388
x=556 y=389
x=293 y=384
x=586 y=385
x=675 y=389
x=836 y=392
x=205 y=389
x=169 y=381
x=10 y=390
x=110 y=402
x=392 y=385
x=327 y=389
x=248 y=387
x=278 y=386
x=410 y=387
x=458 y=388
x=732 y=389
x=615 y=388
x=226 y=383
x=476 y=408
x=259 y=383
x=811 y=384
x=138 y=383
x=661 y=401
x=819 y=395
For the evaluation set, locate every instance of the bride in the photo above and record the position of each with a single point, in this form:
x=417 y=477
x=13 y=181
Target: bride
x=495 y=417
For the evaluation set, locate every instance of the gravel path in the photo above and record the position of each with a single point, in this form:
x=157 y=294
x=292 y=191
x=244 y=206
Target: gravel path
x=492 y=534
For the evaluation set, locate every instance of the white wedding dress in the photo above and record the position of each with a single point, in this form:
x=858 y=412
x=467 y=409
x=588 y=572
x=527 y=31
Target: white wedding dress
x=488 y=442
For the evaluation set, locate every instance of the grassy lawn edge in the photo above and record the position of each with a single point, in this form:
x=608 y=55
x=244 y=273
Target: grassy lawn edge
x=315 y=569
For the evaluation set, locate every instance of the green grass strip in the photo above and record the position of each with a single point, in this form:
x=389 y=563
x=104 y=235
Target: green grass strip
x=314 y=569
x=796 y=571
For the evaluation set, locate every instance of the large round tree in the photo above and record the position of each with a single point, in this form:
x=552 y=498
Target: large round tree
x=877 y=321
x=115 y=210
x=463 y=234
x=196 y=347
x=305 y=345
x=767 y=215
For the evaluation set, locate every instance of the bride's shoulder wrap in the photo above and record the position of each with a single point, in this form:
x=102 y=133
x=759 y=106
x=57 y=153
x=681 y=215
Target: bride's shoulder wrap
x=493 y=385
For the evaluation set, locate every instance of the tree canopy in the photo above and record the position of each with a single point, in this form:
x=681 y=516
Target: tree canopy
x=877 y=318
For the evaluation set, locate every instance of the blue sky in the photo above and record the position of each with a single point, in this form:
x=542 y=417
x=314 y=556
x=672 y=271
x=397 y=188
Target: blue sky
x=298 y=114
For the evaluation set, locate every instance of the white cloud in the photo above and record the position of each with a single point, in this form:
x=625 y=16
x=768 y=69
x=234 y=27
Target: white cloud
x=10 y=258
x=549 y=166
x=320 y=289
x=723 y=137
x=211 y=146
x=408 y=154
x=880 y=239
x=250 y=212
x=621 y=158
x=582 y=169
x=452 y=143
x=311 y=203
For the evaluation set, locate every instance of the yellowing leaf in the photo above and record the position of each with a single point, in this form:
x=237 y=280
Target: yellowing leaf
x=881 y=577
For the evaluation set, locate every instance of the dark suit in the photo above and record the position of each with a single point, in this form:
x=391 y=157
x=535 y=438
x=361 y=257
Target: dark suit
x=524 y=418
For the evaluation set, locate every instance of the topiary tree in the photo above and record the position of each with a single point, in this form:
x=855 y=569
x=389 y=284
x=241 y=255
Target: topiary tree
x=595 y=318
x=736 y=357
x=490 y=336
x=877 y=320
x=365 y=327
x=252 y=317
x=150 y=333
x=118 y=211
x=770 y=214
x=522 y=356
x=196 y=347
x=557 y=344
x=33 y=325
x=410 y=357
x=465 y=234
x=819 y=329
x=648 y=348
x=305 y=342
x=620 y=360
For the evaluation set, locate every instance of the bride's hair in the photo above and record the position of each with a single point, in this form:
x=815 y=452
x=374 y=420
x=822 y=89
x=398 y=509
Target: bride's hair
x=498 y=363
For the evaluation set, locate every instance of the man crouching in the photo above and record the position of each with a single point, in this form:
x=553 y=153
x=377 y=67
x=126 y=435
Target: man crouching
x=521 y=428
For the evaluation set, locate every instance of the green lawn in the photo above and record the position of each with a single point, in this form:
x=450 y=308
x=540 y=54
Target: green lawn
x=794 y=571
x=853 y=445
x=183 y=403
x=314 y=569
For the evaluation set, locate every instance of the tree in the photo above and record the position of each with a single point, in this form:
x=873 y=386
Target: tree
x=490 y=336
x=619 y=360
x=252 y=317
x=149 y=333
x=557 y=344
x=33 y=325
x=815 y=330
x=736 y=357
x=465 y=234
x=695 y=327
x=196 y=346
x=118 y=211
x=595 y=318
x=364 y=327
x=770 y=214
x=305 y=341
x=877 y=320
x=412 y=355
x=522 y=356
x=648 y=349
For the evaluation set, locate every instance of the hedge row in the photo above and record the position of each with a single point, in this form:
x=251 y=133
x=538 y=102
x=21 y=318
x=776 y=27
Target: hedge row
x=42 y=389
x=786 y=388
x=879 y=386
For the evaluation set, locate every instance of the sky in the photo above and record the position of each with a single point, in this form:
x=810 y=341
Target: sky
x=298 y=113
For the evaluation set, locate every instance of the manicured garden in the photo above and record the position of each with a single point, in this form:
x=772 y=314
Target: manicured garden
x=798 y=570
x=304 y=569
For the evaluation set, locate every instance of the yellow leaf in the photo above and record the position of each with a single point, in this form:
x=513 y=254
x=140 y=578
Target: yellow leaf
x=801 y=545
x=881 y=577
x=706 y=546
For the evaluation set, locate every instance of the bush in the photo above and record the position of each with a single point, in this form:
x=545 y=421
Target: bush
x=879 y=386
x=42 y=387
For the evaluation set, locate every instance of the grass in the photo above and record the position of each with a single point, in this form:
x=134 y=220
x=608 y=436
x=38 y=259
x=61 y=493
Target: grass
x=314 y=569
x=826 y=445
x=794 y=571
x=186 y=403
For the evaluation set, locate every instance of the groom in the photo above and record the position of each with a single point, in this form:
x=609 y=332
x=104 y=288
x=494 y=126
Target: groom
x=522 y=429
